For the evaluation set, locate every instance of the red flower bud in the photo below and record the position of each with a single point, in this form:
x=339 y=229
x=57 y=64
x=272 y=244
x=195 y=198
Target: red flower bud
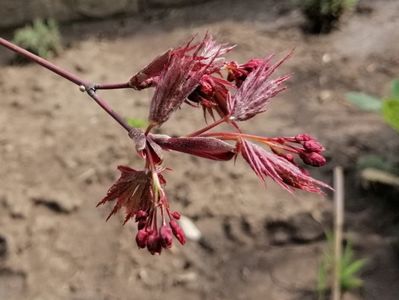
x=303 y=137
x=313 y=146
x=176 y=215
x=141 y=215
x=154 y=243
x=178 y=232
x=141 y=224
x=166 y=236
x=141 y=238
x=313 y=159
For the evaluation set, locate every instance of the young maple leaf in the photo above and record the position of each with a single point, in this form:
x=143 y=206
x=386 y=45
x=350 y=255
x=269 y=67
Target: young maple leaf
x=256 y=91
x=282 y=171
x=131 y=191
x=181 y=76
x=212 y=52
x=149 y=75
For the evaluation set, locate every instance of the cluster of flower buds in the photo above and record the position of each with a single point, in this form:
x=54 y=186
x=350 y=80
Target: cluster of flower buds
x=193 y=74
x=238 y=73
x=154 y=238
x=142 y=195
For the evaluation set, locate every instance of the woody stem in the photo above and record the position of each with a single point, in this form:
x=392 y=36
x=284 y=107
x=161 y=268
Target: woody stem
x=109 y=110
x=112 y=86
x=85 y=85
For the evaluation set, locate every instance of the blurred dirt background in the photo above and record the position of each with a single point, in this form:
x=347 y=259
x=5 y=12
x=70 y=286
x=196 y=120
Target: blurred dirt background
x=59 y=152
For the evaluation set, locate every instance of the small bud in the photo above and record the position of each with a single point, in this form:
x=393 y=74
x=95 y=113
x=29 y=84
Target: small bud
x=82 y=88
x=166 y=236
x=178 y=232
x=303 y=137
x=176 y=215
x=141 y=215
x=313 y=146
x=154 y=243
x=141 y=224
x=313 y=159
x=141 y=238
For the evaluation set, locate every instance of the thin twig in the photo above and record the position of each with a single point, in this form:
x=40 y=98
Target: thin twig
x=101 y=102
x=209 y=127
x=112 y=86
x=43 y=62
x=338 y=228
x=84 y=85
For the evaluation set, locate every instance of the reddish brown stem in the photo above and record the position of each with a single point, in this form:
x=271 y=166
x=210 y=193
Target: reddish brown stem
x=45 y=63
x=112 y=86
x=109 y=110
x=209 y=127
x=86 y=86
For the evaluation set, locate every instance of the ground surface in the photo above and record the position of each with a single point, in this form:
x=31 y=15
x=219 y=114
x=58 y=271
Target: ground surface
x=59 y=154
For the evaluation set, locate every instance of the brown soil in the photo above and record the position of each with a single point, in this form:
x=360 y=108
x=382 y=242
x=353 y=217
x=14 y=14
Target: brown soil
x=59 y=154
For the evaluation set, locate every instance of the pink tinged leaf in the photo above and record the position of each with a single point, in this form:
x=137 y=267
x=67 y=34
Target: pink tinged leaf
x=131 y=191
x=256 y=91
x=178 y=80
x=286 y=174
x=155 y=150
x=175 y=84
x=206 y=147
x=149 y=75
x=213 y=52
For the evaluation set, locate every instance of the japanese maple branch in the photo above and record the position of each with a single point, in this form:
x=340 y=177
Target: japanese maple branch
x=112 y=86
x=85 y=86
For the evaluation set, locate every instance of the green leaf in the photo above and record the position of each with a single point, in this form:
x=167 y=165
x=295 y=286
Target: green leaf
x=390 y=112
x=347 y=256
x=351 y=283
x=395 y=89
x=353 y=268
x=364 y=101
x=137 y=123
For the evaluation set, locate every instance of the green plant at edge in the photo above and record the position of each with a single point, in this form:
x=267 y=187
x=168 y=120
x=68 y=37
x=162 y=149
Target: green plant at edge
x=322 y=15
x=42 y=38
x=350 y=267
x=388 y=107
